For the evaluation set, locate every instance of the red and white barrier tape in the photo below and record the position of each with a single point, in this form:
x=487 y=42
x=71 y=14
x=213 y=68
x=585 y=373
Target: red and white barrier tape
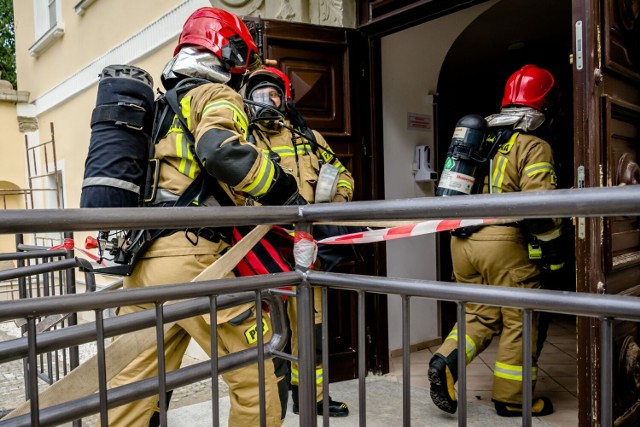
x=305 y=249
x=409 y=230
x=69 y=245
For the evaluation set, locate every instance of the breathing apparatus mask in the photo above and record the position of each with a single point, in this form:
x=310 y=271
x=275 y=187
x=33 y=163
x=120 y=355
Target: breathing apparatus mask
x=266 y=103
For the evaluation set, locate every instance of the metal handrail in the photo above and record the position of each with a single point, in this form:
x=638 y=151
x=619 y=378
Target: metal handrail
x=582 y=202
x=592 y=202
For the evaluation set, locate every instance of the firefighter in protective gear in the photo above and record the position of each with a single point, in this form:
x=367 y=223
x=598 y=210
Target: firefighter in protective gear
x=216 y=46
x=499 y=254
x=280 y=131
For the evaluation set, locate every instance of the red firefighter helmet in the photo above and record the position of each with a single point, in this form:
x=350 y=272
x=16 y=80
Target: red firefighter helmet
x=269 y=76
x=223 y=34
x=530 y=86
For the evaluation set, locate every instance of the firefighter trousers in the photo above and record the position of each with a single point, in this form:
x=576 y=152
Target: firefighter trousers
x=496 y=256
x=171 y=260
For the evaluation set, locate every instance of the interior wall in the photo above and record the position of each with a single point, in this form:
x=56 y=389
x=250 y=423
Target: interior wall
x=411 y=62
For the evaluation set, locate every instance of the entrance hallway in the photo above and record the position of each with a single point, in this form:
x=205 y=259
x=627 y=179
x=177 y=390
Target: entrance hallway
x=556 y=380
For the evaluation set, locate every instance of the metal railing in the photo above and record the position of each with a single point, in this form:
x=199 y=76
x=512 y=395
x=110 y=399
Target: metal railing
x=43 y=272
x=560 y=203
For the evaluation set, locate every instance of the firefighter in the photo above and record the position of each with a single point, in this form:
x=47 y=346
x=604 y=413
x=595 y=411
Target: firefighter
x=513 y=255
x=216 y=46
x=280 y=131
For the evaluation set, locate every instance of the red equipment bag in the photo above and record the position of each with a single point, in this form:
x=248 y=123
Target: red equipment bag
x=272 y=254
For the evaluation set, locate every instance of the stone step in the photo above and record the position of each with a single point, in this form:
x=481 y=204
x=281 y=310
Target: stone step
x=383 y=406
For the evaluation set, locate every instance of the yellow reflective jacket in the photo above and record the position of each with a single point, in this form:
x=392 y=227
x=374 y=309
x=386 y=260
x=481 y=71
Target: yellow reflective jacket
x=298 y=158
x=524 y=163
x=212 y=106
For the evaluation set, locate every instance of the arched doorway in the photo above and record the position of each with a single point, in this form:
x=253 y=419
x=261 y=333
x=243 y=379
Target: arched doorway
x=501 y=40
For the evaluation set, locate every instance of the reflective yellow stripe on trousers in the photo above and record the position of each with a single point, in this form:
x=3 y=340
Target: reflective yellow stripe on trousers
x=295 y=379
x=512 y=372
x=471 y=350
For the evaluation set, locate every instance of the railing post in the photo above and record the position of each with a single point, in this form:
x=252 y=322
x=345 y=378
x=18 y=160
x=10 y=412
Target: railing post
x=406 y=360
x=162 y=369
x=306 y=345
x=325 y=356
x=102 y=376
x=462 y=364
x=70 y=277
x=260 y=347
x=215 y=391
x=362 y=359
x=32 y=371
x=606 y=372
x=527 y=366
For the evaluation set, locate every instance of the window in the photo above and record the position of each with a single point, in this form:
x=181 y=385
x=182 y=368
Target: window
x=48 y=25
x=47 y=13
x=82 y=6
x=53 y=15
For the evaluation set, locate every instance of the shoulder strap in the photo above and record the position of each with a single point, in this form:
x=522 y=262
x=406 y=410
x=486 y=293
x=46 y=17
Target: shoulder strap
x=317 y=148
x=503 y=135
x=311 y=137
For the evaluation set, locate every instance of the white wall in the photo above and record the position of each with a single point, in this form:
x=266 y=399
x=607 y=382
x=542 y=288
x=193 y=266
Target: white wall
x=409 y=75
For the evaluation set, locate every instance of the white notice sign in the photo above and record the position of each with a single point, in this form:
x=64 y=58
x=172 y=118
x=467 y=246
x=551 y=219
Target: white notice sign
x=417 y=121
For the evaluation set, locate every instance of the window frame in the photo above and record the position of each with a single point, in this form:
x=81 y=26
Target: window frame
x=48 y=27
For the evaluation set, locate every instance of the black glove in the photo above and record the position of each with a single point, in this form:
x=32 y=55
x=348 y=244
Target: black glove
x=283 y=191
x=553 y=255
x=549 y=254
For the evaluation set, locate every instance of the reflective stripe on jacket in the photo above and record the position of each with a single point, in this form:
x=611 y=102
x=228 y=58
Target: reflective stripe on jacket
x=525 y=163
x=302 y=162
x=209 y=107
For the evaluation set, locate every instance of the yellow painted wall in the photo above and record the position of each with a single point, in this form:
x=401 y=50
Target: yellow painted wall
x=12 y=160
x=12 y=167
x=105 y=24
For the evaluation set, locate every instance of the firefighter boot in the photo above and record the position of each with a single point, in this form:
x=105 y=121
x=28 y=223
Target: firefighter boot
x=443 y=373
x=541 y=406
x=336 y=409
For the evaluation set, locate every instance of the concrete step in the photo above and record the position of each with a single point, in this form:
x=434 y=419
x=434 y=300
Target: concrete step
x=383 y=406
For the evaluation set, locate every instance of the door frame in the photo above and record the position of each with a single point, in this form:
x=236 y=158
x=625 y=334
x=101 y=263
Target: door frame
x=587 y=154
x=379 y=18
x=386 y=20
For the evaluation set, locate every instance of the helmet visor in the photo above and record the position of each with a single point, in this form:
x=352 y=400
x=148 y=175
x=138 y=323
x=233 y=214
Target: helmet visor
x=267 y=102
x=267 y=95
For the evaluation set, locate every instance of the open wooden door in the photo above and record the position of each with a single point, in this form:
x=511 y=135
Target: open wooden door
x=607 y=147
x=322 y=63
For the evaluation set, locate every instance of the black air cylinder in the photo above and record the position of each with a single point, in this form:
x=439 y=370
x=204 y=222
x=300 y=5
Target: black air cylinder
x=120 y=137
x=459 y=173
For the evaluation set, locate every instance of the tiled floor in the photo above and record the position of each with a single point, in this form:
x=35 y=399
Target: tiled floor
x=556 y=372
